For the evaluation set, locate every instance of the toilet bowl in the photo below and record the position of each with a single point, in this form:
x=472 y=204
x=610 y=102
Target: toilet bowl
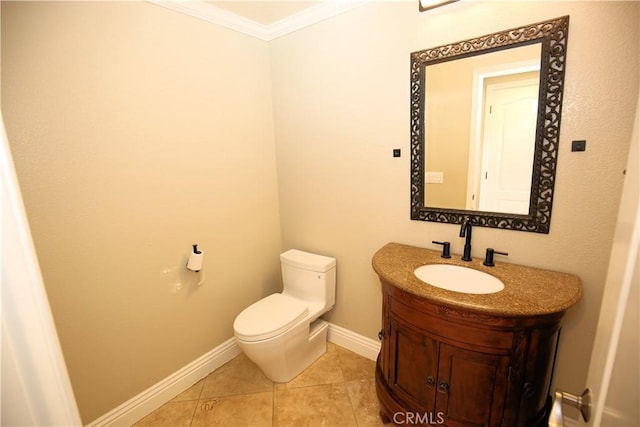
x=282 y=333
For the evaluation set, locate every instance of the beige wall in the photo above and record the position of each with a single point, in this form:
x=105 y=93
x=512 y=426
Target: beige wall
x=114 y=109
x=341 y=101
x=448 y=90
x=137 y=131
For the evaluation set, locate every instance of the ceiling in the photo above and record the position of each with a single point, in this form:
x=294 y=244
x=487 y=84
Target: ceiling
x=264 y=19
x=264 y=12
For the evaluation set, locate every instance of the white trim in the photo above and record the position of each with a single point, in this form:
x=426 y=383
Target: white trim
x=35 y=383
x=157 y=395
x=623 y=265
x=312 y=15
x=216 y=15
x=571 y=422
x=365 y=347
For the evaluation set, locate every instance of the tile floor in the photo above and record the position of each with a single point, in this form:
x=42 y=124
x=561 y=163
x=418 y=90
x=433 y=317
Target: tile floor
x=337 y=390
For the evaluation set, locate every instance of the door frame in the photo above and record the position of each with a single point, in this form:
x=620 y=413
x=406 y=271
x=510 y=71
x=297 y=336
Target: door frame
x=36 y=389
x=623 y=266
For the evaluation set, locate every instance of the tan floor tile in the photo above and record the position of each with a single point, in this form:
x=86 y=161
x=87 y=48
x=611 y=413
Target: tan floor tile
x=337 y=390
x=253 y=410
x=325 y=370
x=365 y=402
x=354 y=366
x=322 y=405
x=192 y=393
x=239 y=376
x=176 y=414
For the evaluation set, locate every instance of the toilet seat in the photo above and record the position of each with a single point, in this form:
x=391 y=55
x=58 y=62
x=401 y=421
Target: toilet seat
x=269 y=317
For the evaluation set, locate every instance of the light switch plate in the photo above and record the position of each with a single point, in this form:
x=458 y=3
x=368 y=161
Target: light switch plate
x=580 y=145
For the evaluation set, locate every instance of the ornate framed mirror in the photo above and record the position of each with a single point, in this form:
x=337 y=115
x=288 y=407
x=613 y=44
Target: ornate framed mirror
x=485 y=126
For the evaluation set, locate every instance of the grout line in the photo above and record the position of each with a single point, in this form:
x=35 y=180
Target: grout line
x=195 y=410
x=193 y=416
x=273 y=405
x=249 y=393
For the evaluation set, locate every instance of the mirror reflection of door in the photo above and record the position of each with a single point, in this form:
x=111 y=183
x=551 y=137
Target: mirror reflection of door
x=454 y=102
x=510 y=116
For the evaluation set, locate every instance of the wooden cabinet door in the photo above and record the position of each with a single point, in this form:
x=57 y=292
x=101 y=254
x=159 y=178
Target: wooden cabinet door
x=538 y=376
x=413 y=366
x=471 y=387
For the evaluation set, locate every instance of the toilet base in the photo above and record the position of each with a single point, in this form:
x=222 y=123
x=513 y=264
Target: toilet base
x=283 y=358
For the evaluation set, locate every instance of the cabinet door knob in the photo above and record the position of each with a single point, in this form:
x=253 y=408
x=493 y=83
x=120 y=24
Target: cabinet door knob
x=381 y=335
x=430 y=381
x=528 y=390
x=443 y=387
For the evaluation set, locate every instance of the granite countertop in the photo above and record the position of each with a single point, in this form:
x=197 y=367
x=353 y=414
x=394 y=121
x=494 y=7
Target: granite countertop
x=527 y=291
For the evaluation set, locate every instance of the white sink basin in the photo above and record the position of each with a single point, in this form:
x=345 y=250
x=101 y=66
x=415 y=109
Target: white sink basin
x=459 y=279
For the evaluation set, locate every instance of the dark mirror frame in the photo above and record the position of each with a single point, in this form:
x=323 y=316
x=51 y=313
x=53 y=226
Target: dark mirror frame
x=552 y=35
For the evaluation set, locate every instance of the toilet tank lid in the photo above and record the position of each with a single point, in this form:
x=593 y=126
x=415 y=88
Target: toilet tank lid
x=308 y=261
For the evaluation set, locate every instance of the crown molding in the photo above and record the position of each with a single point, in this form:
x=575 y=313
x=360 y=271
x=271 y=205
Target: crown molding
x=216 y=15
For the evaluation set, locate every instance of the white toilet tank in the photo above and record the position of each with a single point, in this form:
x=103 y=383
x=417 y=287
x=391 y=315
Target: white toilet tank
x=309 y=277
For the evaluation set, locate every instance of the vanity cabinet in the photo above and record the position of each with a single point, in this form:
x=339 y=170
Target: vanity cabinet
x=461 y=367
x=462 y=359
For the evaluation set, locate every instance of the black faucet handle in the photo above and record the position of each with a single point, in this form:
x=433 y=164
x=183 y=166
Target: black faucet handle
x=446 y=248
x=488 y=258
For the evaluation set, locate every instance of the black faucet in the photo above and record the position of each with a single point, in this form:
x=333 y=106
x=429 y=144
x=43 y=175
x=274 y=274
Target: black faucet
x=465 y=231
x=446 y=248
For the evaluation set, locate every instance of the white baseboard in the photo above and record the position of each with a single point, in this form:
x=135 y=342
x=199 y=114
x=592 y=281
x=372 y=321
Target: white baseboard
x=359 y=344
x=571 y=422
x=157 y=395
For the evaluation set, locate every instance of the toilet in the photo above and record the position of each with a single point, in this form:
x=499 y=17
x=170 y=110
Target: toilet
x=282 y=333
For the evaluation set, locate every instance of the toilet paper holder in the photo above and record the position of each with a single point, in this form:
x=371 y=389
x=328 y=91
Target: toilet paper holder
x=195 y=262
x=195 y=259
